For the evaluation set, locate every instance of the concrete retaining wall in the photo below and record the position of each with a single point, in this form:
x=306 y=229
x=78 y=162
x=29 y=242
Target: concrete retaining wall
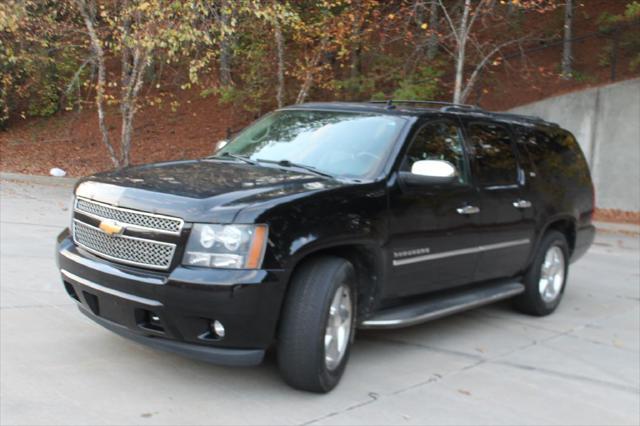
x=606 y=122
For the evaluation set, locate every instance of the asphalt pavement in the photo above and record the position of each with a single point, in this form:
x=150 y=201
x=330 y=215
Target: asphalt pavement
x=492 y=365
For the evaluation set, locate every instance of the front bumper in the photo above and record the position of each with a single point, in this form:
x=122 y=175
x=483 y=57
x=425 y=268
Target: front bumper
x=173 y=311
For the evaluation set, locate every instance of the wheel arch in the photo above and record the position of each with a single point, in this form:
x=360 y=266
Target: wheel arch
x=567 y=225
x=368 y=264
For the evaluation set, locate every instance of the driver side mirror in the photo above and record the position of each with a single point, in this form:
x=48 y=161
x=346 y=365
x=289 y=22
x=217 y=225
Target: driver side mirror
x=430 y=172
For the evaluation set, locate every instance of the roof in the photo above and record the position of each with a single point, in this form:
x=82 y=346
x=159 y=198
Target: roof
x=422 y=109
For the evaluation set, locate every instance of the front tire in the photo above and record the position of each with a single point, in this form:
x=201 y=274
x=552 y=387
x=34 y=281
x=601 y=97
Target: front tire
x=546 y=279
x=318 y=324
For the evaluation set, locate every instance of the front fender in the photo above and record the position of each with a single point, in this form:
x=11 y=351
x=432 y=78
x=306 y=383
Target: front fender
x=348 y=215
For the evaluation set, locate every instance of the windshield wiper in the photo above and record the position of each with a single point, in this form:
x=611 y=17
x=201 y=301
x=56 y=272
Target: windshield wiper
x=282 y=163
x=235 y=156
x=289 y=164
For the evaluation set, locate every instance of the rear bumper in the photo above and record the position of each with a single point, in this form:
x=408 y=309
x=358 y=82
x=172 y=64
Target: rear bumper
x=584 y=238
x=186 y=300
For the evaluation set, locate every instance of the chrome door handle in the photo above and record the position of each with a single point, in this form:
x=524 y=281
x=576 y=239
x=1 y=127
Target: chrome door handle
x=522 y=204
x=468 y=210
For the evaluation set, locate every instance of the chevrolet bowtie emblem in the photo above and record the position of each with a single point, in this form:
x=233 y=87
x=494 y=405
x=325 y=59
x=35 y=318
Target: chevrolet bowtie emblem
x=111 y=227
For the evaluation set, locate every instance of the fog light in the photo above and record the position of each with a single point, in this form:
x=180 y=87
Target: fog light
x=217 y=328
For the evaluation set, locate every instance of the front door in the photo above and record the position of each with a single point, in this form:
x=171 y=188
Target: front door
x=506 y=219
x=433 y=226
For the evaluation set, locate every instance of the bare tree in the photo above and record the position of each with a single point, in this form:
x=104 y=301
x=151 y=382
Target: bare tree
x=432 y=44
x=87 y=12
x=460 y=34
x=135 y=59
x=355 y=67
x=224 y=18
x=130 y=89
x=567 y=57
x=135 y=36
x=277 y=28
x=460 y=20
x=428 y=43
x=311 y=65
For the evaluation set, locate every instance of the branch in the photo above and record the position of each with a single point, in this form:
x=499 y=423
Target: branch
x=463 y=22
x=76 y=76
x=474 y=75
x=447 y=50
x=475 y=15
x=449 y=21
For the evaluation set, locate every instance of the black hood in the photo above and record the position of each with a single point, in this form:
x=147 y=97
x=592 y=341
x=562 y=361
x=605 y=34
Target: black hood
x=201 y=178
x=199 y=190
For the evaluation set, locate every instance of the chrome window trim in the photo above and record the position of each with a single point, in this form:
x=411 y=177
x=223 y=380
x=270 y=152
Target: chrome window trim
x=120 y=260
x=499 y=187
x=129 y=225
x=444 y=254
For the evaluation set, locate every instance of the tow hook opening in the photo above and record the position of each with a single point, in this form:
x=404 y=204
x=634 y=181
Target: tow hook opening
x=148 y=320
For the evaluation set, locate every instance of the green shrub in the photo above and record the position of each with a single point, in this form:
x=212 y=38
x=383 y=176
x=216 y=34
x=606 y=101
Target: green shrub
x=355 y=88
x=205 y=93
x=424 y=84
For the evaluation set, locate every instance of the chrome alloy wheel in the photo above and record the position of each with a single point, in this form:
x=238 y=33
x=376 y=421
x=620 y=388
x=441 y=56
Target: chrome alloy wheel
x=552 y=273
x=338 y=332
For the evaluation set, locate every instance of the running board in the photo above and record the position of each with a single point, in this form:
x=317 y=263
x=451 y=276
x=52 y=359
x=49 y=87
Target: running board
x=440 y=306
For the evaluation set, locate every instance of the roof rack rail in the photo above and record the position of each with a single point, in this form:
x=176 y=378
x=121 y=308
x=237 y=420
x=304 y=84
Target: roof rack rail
x=453 y=107
x=445 y=105
x=523 y=118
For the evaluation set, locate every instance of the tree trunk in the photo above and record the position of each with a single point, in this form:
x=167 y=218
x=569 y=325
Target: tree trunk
x=128 y=65
x=225 y=44
x=308 y=79
x=98 y=52
x=306 y=86
x=128 y=102
x=355 y=67
x=432 y=44
x=280 y=53
x=461 y=40
x=567 y=56
x=225 y=62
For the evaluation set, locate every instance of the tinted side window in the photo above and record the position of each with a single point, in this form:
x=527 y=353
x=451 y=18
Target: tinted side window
x=438 y=141
x=573 y=159
x=494 y=154
x=555 y=153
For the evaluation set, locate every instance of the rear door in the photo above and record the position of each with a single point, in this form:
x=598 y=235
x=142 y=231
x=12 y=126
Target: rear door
x=429 y=237
x=506 y=220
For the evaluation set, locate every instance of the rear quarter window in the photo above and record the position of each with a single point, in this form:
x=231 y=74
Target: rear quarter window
x=555 y=154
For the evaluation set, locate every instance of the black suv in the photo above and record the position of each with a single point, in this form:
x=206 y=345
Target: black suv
x=326 y=217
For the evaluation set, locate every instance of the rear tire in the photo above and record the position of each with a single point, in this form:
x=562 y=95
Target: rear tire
x=546 y=279
x=314 y=345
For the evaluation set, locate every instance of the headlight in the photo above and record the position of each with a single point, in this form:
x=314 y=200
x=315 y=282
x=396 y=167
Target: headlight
x=226 y=246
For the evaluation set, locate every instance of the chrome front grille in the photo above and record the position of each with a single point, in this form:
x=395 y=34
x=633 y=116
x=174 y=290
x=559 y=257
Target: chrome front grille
x=123 y=248
x=157 y=223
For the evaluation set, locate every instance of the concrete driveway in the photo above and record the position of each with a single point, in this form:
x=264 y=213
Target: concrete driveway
x=488 y=366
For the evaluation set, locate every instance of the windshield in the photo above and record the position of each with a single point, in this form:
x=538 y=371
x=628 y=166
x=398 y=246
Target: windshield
x=343 y=144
